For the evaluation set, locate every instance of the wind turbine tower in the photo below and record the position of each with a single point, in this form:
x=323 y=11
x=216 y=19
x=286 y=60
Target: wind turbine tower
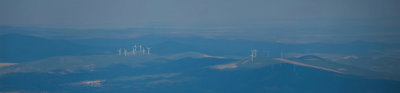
x=252 y=55
x=134 y=50
x=143 y=51
x=148 y=51
x=140 y=48
x=125 y=52
x=119 y=52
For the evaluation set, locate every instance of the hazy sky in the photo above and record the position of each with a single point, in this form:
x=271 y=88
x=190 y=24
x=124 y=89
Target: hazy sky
x=361 y=19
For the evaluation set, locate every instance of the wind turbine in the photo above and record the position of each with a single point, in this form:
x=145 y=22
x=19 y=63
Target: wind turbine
x=148 y=51
x=140 y=48
x=252 y=55
x=125 y=51
x=144 y=51
x=134 y=50
x=119 y=52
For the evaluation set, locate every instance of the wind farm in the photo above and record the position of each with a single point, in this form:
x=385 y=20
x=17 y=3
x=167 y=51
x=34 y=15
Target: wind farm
x=141 y=52
x=199 y=46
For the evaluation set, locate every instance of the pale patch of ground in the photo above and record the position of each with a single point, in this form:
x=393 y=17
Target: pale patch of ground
x=160 y=82
x=350 y=57
x=7 y=64
x=307 y=65
x=332 y=57
x=246 y=61
x=93 y=83
x=208 y=56
x=144 y=77
x=225 y=66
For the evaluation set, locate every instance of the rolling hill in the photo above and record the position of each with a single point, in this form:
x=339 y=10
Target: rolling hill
x=155 y=74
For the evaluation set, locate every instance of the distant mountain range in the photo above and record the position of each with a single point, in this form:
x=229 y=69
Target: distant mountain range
x=20 y=48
